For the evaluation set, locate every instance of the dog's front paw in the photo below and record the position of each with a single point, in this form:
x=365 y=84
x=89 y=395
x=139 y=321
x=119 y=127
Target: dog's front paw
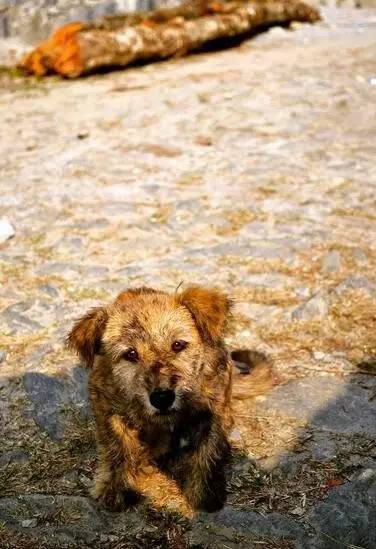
x=119 y=499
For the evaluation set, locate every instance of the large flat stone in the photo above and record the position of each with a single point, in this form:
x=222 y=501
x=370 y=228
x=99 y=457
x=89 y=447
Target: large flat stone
x=50 y=396
x=326 y=402
x=347 y=516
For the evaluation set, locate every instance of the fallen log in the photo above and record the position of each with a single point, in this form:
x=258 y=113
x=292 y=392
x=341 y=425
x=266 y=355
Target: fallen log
x=117 y=41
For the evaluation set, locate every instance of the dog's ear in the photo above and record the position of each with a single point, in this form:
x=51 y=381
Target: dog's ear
x=85 y=336
x=209 y=308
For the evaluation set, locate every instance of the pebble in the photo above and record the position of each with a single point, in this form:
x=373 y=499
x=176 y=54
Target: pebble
x=318 y=355
x=332 y=262
x=357 y=283
x=6 y=230
x=359 y=255
x=49 y=289
x=314 y=309
x=12 y=457
x=29 y=523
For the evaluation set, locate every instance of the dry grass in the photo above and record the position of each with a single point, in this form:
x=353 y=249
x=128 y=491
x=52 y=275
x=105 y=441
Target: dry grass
x=281 y=297
x=50 y=461
x=19 y=345
x=13 y=80
x=276 y=491
x=349 y=327
x=236 y=219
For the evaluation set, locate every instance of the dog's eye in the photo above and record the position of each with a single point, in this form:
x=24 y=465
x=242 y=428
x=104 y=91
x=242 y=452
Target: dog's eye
x=179 y=345
x=131 y=355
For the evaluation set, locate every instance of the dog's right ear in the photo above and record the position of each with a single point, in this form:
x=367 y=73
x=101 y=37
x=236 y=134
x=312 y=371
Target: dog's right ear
x=86 y=335
x=210 y=309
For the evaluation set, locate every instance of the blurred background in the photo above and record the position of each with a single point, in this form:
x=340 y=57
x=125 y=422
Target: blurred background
x=33 y=20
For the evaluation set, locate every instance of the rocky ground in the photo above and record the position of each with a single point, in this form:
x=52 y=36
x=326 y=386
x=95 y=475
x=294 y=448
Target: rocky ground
x=251 y=169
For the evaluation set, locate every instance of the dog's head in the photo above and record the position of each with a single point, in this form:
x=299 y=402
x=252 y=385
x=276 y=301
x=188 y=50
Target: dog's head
x=156 y=347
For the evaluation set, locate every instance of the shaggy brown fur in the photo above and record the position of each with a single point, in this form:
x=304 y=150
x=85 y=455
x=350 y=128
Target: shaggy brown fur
x=160 y=387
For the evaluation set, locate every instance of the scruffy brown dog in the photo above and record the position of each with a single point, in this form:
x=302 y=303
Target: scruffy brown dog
x=160 y=388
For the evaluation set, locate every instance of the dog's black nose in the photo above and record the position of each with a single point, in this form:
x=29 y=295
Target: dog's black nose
x=162 y=398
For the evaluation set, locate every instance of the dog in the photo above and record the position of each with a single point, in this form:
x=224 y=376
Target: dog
x=160 y=387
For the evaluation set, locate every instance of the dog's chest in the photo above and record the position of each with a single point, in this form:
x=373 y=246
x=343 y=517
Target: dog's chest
x=163 y=442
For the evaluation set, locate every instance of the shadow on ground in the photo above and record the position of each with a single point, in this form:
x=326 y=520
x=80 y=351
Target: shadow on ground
x=320 y=493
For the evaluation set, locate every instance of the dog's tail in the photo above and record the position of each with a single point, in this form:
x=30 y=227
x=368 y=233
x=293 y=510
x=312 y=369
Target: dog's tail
x=254 y=374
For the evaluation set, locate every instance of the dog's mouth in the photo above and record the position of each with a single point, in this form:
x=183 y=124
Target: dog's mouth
x=165 y=413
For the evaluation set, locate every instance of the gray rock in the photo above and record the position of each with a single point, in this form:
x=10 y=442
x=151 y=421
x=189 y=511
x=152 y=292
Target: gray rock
x=30 y=316
x=49 y=290
x=19 y=323
x=273 y=525
x=326 y=402
x=71 y=269
x=38 y=355
x=357 y=283
x=50 y=396
x=12 y=457
x=315 y=308
x=268 y=280
x=226 y=249
x=95 y=270
x=70 y=245
x=348 y=515
x=130 y=270
x=3 y=356
x=332 y=262
x=265 y=250
x=322 y=448
x=303 y=292
x=67 y=521
x=359 y=255
x=34 y=20
x=257 y=310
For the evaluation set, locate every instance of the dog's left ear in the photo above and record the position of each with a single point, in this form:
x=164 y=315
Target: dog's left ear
x=209 y=308
x=86 y=335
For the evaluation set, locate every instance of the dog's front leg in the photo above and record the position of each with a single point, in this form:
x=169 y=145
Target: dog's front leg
x=205 y=483
x=119 y=450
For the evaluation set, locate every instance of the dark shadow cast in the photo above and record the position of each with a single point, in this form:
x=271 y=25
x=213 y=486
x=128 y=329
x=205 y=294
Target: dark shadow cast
x=319 y=493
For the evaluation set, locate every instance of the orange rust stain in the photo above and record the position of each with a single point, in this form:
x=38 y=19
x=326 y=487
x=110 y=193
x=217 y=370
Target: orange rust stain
x=60 y=53
x=63 y=34
x=149 y=23
x=33 y=63
x=215 y=7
